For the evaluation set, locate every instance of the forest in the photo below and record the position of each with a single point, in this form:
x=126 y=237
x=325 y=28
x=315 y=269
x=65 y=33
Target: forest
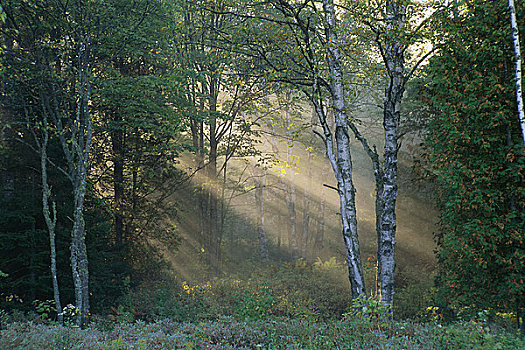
x=262 y=174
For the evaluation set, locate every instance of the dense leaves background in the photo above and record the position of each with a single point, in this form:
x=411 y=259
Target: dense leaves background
x=475 y=148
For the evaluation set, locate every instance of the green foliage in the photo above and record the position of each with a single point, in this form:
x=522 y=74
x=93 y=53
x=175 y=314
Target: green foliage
x=271 y=334
x=2 y=17
x=288 y=291
x=123 y=35
x=306 y=291
x=137 y=100
x=255 y=305
x=47 y=311
x=414 y=294
x=369 y=311
x=45 y=308
x=477 y=156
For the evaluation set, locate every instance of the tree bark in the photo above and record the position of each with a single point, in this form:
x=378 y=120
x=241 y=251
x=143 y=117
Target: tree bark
x=50 y=221
x=342 y=163
x=78 y=159
x=517 y=59
x=394 y=60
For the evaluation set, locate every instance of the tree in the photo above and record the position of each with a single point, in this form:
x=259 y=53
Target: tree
x=138 y=95
x=517 y=59
x=476 y=152
x=342 y=164
x=75 y=132
x=222 y=96
x=386 y=179
x=53 y=52
x=303 y=50
x=394 y=35
x=50 y=214
x=306 y=51
x=41 y=145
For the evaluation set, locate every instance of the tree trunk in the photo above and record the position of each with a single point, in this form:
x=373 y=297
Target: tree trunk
x=78 y=160
x=50 y=215
x=291 y=196
x=117 y=143
x=292 y=216
x=79 y=253
x=517 y=58
x=306 y=208
x=50 y=221
x=319 y=238
x=342 y=160
x=259 y=204
x=213 y=237
x=394 y=60
x=378 y=177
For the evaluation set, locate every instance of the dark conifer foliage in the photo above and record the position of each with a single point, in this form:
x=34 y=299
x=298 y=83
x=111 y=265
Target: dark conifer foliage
x=477 y=153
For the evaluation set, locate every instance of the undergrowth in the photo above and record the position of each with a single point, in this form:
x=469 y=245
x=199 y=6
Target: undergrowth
x=294 y=306
x=228 y=333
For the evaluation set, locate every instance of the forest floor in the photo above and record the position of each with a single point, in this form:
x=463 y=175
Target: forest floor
x=291 y=306
x=228 y=333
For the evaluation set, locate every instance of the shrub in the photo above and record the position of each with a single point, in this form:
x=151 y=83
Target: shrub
x=415 y=294
x=301 y=290
x=228 y=333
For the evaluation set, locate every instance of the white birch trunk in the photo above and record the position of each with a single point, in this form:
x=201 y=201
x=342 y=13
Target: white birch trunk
x=517 y=59
x=394 y=60
x=342 y=163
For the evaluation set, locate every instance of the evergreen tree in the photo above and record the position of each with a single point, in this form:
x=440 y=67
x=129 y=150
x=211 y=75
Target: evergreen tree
x=476 y=150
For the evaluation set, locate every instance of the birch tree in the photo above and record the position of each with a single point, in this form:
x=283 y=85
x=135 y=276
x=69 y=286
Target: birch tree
x=297 y=43
x=342 y=160
x=62 y=64
x=393 y=56
x=75 y=131
x=30 y=103
x=316 y=66
x=517 y=62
